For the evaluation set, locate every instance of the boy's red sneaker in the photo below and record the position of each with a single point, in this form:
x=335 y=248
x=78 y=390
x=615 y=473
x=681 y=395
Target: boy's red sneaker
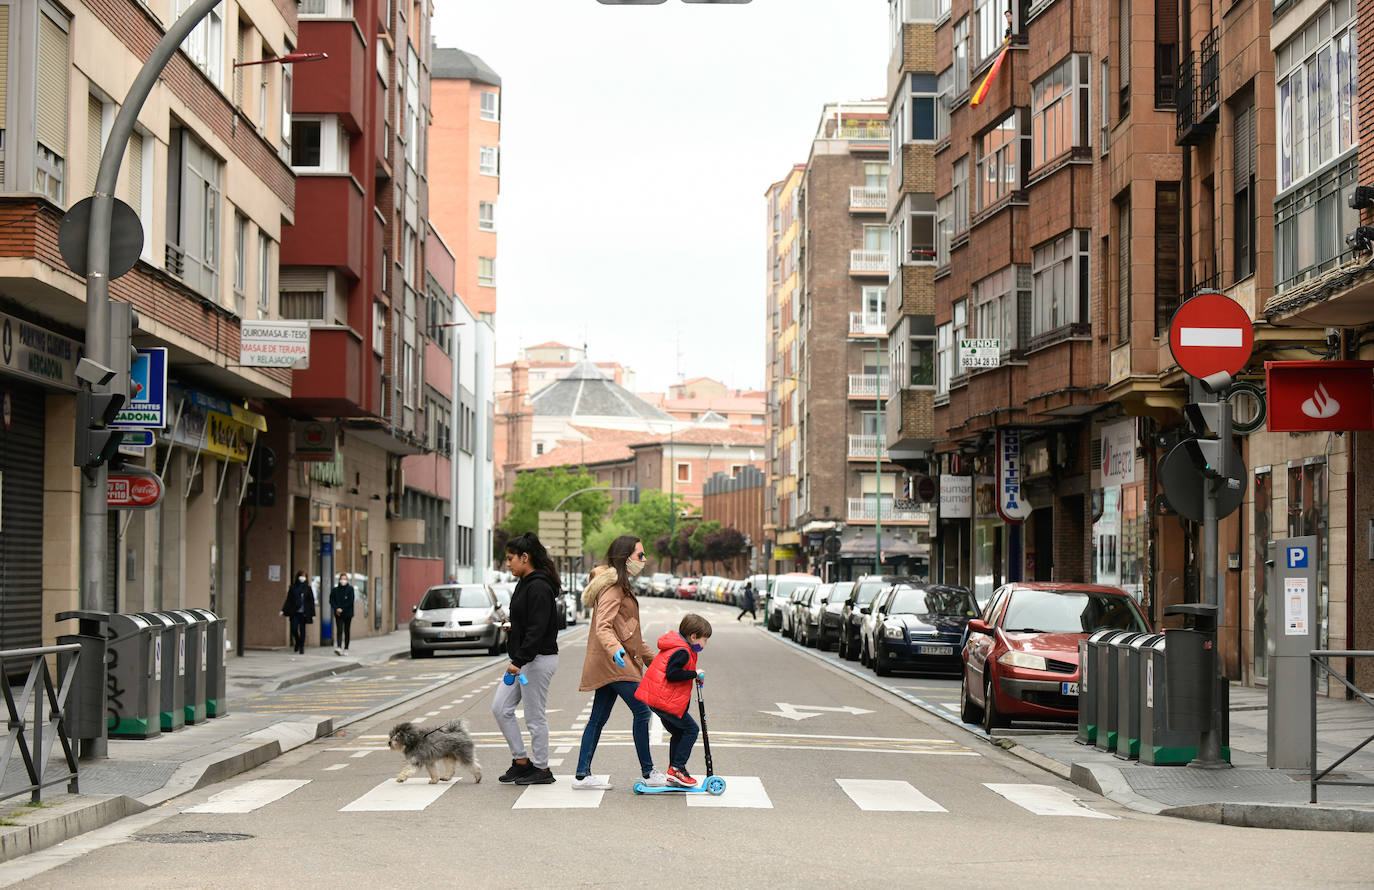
x=680 y=778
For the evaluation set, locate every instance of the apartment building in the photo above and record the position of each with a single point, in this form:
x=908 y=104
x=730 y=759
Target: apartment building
x=207 y=174
x=782 y=305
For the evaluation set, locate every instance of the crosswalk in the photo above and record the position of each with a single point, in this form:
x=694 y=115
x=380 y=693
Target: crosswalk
x=742 y=792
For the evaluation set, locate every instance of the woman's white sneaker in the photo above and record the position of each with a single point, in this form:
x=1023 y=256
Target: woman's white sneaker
x=592 y=783
x=655 y=779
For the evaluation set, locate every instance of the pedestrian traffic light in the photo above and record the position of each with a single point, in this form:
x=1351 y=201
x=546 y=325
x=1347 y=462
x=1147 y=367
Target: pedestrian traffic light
x=96 y=443
x=1206 y=448
x=634 y=492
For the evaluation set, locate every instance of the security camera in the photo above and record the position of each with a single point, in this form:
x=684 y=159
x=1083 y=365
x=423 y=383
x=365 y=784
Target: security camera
x=1360 y=197
x=1219 y=382
x=93 y=373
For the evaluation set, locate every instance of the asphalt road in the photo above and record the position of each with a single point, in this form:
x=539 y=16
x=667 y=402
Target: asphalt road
x=831 y=782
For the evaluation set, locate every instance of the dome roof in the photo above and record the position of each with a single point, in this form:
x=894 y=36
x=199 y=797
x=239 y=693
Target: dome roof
x=586 y=391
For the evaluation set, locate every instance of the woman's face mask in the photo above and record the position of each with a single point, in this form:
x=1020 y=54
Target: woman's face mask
x=633 y=566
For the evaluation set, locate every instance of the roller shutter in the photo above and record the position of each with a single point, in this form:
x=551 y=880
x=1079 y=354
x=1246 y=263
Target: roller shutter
x=21 y=518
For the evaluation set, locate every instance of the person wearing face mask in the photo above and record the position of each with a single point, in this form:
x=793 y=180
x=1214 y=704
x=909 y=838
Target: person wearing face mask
x=616 y=656
x=300 y=608
x=341 y=601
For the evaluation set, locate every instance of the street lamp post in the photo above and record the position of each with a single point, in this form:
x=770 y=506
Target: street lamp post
x=878 y=486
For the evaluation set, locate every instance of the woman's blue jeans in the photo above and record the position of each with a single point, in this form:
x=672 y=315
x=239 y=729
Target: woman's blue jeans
x=602 y=703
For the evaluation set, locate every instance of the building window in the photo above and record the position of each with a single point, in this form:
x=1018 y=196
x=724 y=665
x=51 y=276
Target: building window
x=263 y=71
x=945 y=88
x=1311 y=222
x=960 y=194
x=205 y=44
x=486 y=271
x=240 y=261
x=1123 y=57
x=1106 y=108
x=326 y=9
x=305 y=293
x=491 y=106
x=264 y=276
x=874 y=303
x=924 y=105
x=922 y=235
x=284 y=149
x=408 y=375
x=1059 y=111
x=1167 y=230
x=319 y=144
x=1001 y=153
x=1059 y=283
x=1123 y=270
x=1243 y=188
x=488 y=160
x=988 y=27
x=53 y=74
x=945 y=357
x=486 y=216
x=961 y=67
x=378 y=328
x=921 y=361
x=1318 y=79
x=684 y=472
x=193 y=210
x=944 y=229
x=996 y=307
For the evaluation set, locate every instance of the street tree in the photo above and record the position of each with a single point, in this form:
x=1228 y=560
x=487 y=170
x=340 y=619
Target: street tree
x=543 y=489
x=599 y=541
x=698 y=539
x=650 y=519
x=726 y=545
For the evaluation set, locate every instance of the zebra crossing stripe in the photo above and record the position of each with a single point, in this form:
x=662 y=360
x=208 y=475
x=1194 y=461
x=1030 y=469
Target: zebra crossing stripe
x=391 y=796
x=249 y=796
x=1045 y=800
x=742 y=792
x=887 y=795
x=558 y=796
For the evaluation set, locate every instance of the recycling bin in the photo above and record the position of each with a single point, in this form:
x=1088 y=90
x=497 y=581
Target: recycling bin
x=1105 y=689
x=1128 y=695
x=196 y=657
x=1160 y=745
x=215 y=629
x=85 y=713
x=172 y=657
x=1087 y=700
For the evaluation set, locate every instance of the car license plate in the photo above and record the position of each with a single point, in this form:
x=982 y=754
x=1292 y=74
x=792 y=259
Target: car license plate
x=935 y=650
x=452 y=634
x=1068 y=688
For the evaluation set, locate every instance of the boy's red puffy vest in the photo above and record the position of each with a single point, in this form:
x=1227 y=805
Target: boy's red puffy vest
x=655 y=690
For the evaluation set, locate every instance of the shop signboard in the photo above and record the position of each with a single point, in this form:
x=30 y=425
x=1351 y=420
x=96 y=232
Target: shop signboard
x=38 y=354
x=1011 y=503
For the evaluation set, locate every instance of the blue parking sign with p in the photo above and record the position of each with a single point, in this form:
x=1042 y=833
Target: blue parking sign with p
x=1297 y=557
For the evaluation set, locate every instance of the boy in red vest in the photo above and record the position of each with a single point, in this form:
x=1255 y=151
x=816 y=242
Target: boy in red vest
x=667 y=688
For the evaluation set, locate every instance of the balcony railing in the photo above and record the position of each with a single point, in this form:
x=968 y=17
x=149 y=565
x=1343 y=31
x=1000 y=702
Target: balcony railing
x=861 y=510
x=868 y=262
x=869 y=324
x=1198 y=92
x=865 y=198
x=863 y=446
x=873 y=386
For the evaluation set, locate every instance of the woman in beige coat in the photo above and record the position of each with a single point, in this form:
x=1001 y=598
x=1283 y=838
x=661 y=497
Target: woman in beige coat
x=616 y=658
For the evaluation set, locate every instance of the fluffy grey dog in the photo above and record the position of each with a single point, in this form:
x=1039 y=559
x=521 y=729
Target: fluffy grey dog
x=435 y=749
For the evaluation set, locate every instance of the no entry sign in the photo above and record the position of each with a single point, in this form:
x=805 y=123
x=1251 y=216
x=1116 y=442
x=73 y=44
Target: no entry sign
x=1211 y=333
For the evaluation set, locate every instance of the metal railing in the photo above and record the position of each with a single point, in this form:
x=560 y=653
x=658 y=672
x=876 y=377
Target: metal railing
x=861 y=510
x=870 y=385
x=872 y=324
x=863 y=446
x=866 y=198
x=31 y=738
x=868 y=261
x=1318 y=663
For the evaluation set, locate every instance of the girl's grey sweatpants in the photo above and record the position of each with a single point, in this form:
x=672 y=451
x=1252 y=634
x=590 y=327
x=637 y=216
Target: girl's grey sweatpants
x=534 y=696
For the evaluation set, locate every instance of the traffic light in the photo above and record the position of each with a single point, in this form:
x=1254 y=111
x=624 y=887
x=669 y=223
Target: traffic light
x=1205 y=447
x=634 y=492
x=96 y=443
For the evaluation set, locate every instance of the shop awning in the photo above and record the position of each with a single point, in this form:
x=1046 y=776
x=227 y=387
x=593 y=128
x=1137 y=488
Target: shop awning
x=892 y=547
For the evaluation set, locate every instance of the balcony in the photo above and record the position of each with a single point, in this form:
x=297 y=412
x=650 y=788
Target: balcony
x=1198 y=93
x=326 y=87
x=870 y=386
x=868 y=262
x=867 y=324
x=863 y=447
x=862 y=510
x=863 y=199
x=328 y=229
x=343 y=379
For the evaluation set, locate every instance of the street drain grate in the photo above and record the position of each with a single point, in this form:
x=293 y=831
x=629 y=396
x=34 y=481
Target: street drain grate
x=192 y=837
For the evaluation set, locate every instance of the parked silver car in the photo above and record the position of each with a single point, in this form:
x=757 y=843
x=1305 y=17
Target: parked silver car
x=457 y=616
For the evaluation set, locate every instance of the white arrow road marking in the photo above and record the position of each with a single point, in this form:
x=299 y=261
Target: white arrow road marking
x=889 y=796
x=801 y=712
x=1210 y=337
x=1045 y=800
x=249 y=796
x=413 y=794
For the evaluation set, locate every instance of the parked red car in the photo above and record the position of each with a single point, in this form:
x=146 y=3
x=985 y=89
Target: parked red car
x=687 y=588
x=1021 y=656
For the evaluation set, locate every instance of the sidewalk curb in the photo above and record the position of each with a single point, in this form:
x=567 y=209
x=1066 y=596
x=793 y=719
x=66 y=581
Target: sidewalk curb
x=343 y=667
x=62 y=820
x=1108 y=781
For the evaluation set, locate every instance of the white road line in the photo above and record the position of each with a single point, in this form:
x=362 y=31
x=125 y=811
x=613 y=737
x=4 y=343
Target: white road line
x=562 y=749
x=362 y=737
x=1045 y=800
x=249 y=796
x=445 y=707
x=392 y=796
x=555 y=761
x=432 y=714
x=656 y=733
x=887 y=795
x=357 y=748
x=745 y=792
x=358 y=754
x=949 y=705
x=558 y=796
x=334 y=766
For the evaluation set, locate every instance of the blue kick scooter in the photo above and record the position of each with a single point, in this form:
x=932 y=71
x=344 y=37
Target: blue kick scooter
x=712 y=784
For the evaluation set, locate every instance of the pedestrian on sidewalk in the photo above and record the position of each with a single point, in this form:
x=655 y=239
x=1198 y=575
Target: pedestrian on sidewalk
x=300 y=608
x=608 y=670
x=748 y=602
x=533 y=648
x=667 y=688
x=341 y=601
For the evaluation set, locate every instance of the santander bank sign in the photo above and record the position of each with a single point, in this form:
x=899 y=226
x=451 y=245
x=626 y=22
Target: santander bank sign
x=1319 y=396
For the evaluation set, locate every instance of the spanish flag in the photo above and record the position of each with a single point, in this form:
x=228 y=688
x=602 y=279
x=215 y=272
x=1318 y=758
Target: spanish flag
x=992 y=73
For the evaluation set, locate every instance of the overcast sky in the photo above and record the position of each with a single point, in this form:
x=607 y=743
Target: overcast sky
x=636 y=145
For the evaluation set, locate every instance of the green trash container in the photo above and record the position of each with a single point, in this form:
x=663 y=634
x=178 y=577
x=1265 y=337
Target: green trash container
x=170 y=647
x=1105 y=688
x=1160 y=745
x=1087 y=697
x=1128 y=698
x=215 y=704
x=193 y=702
